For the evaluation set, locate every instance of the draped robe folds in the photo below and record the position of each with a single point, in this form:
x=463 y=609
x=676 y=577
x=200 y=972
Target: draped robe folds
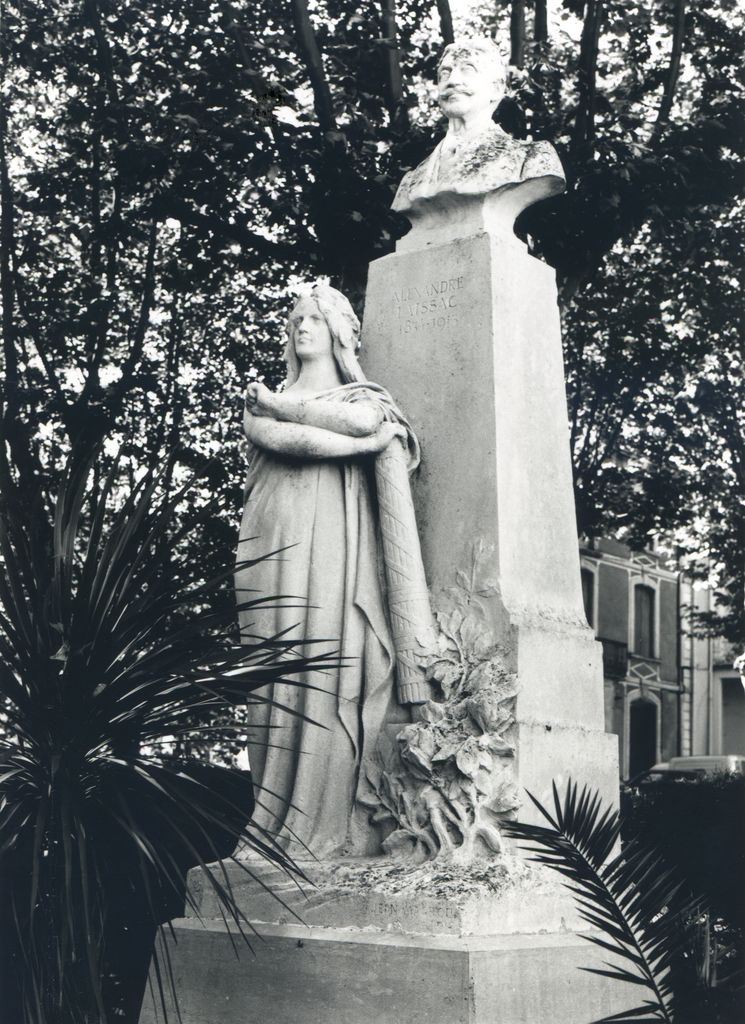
x=323 y=513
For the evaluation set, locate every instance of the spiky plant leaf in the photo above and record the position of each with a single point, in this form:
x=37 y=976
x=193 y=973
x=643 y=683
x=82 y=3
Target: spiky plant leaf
x=111 y=645
x=633 y=899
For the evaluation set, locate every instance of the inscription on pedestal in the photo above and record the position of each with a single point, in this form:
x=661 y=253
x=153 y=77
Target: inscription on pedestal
x=430 y=307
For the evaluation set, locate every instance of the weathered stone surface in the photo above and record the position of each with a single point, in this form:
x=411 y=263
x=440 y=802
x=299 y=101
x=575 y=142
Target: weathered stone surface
x=345 y=977
x=470 y=334
x=467 y=336
x=430 y=945
x=503 y=896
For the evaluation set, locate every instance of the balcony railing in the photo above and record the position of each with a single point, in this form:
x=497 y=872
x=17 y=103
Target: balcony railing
x=615 y=659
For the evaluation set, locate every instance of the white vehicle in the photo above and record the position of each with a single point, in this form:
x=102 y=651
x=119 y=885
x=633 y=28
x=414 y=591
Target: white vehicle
x=703 y=764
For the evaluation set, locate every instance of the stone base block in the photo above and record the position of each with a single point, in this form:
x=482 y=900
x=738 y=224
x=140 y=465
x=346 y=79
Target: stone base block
x=493 y=943
x=300 y=975
x=547 y=754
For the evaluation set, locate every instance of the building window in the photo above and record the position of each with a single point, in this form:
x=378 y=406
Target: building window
x=588 y=594
x=615 y=659
x=642 y=736
x=644 y=621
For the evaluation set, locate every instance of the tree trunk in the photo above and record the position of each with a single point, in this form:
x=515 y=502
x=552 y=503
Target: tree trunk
x=517 y=33
x=584 y=124
x=311 y=54
x=14 y=431
x=540 y=23
x=394 y=79
x=673 y=70
x=446 y=22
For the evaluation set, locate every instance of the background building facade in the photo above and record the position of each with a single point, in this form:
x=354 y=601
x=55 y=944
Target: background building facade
x=667 y=692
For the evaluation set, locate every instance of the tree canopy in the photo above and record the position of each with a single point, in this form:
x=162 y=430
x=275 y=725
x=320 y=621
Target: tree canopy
x=168 y=171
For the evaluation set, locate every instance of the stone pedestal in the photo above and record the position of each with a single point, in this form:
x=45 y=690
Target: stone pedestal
x=428 y=946
x=465 y=333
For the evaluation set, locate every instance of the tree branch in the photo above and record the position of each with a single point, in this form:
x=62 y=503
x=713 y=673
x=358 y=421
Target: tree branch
x=146 y=304
x=731 y=427
x=584 y=124
x=673 y=72
x=517 y=33
x=86 y=430
x=311 y=54
x=394 y=83
x=112 y=246
x=9 y=392
x=265 y=248
x=446 y=22
x=7 y=245
x=230 y=18
x=540 y=23
x=105 y=61
x=106 y=90
x=35 y=334
x=14 y=431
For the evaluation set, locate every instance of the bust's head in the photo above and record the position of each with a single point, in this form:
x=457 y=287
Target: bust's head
x=343 y=327
x=470 y=79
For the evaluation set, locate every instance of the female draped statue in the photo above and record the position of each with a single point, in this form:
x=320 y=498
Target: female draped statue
x=315 y=451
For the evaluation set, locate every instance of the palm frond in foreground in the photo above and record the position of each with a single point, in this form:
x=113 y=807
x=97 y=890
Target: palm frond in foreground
x=633 y=899
x=111 y=645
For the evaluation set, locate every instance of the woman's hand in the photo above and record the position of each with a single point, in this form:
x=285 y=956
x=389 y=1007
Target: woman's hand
x=383 y=436
x=259 y=399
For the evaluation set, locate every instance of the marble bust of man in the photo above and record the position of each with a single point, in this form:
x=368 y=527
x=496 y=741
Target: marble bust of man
x=476 y=157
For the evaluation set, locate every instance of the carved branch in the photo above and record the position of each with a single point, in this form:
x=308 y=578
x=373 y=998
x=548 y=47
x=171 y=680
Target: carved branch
x=517 y=33
x=311 y=54
x=673 y=71
x=446 y=22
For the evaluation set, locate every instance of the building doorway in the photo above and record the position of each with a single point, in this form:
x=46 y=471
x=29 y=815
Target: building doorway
x=733 y=716
x=642 y=735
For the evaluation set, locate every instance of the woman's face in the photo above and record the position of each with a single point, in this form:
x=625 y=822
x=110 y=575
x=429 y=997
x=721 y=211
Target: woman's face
x=309 y=331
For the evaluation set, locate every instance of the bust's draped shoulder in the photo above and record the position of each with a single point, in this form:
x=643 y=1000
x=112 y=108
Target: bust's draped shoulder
x=541 y=160
x=421 y=180
x=485 y=163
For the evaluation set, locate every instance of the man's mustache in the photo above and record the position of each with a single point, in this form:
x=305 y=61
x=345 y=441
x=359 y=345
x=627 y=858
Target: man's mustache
x=456 y=90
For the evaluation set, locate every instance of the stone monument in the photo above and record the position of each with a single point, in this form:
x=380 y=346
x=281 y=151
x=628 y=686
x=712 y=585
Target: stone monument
x=461 y=325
